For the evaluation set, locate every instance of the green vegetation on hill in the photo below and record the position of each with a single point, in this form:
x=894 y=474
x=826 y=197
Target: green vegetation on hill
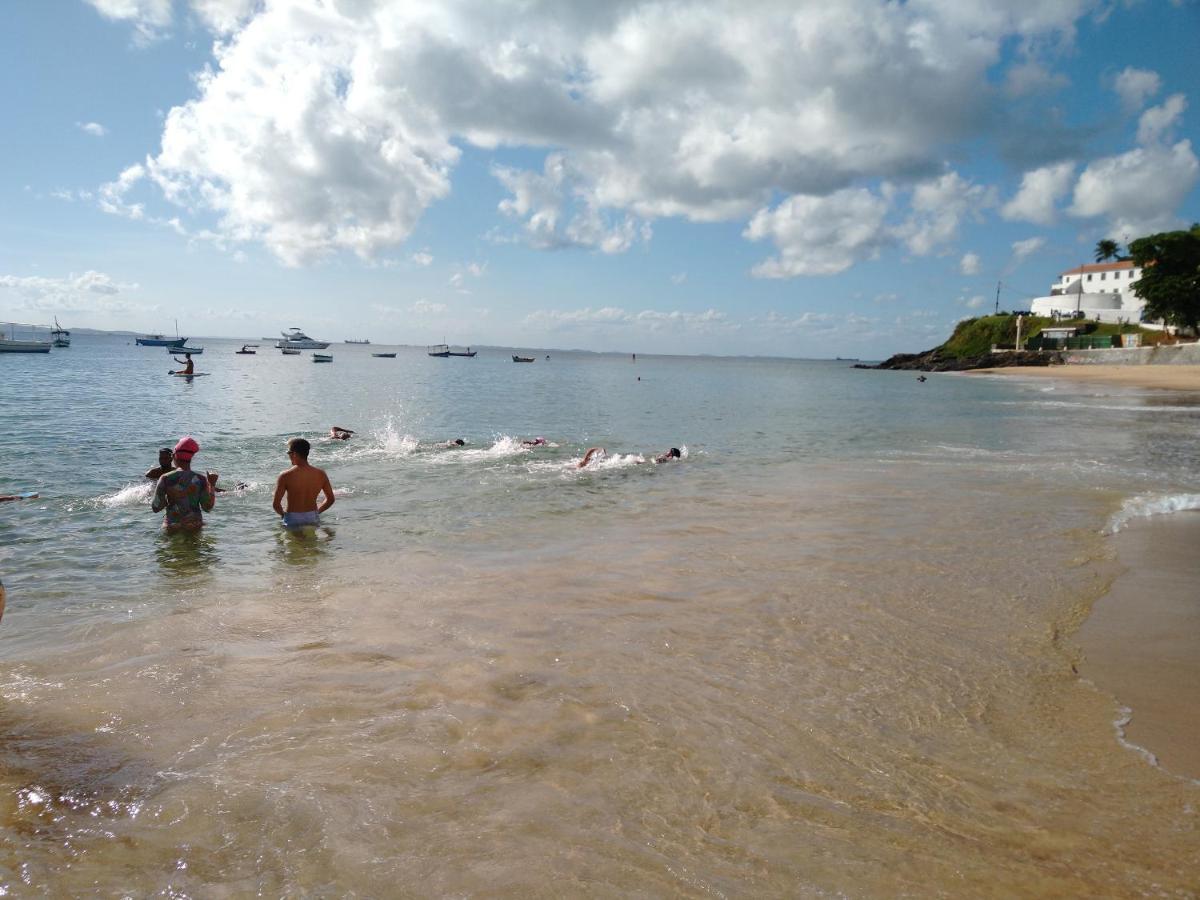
x=975 y=337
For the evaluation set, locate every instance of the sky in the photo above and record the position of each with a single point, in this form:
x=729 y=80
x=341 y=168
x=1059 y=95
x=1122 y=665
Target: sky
x=805 y=179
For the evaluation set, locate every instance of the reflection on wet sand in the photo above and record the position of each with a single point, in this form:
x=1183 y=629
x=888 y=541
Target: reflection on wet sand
x=303 y=546
x=186 y=554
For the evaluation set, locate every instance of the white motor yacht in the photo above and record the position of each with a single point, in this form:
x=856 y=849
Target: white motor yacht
x=295 y=339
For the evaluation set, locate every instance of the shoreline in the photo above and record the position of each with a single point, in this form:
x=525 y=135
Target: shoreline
x=1182 y=377
x=1138 y=641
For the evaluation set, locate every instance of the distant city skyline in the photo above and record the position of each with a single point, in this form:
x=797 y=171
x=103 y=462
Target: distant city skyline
x=788 y=179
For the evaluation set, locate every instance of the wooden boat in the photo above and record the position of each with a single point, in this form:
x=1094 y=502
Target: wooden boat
x=60 y=337
x=444 y=351
x=384 y=355
x=194 y=351
x=246 y=351
x=286 y=352
x=322 y=357
x=522 y=358
x=157 y=340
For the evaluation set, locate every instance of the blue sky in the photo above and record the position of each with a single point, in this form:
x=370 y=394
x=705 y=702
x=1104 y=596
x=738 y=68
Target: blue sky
x=785 y=178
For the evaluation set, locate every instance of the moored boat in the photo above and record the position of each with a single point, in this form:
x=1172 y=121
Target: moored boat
x=11 y=343
x=444 y=351
x=60 y=337
x=246 y=351
x=157 y=340
x=384 y=355
x=286 y=352
x=295 y=339
x=194 y=351
x=322 y=357
x=522 y=358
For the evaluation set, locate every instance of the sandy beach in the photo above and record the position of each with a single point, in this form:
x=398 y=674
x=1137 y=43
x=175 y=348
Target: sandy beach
x=1173 y=377
x=1139 y=642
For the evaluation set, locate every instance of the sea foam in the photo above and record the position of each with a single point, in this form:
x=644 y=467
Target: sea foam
x=1154 y=505
x=130 y=495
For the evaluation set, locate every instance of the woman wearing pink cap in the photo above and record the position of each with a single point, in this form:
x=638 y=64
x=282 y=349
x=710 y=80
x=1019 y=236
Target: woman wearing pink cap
x=182 y=492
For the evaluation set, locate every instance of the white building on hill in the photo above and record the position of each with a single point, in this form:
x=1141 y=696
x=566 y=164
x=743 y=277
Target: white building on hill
x=1101 y=291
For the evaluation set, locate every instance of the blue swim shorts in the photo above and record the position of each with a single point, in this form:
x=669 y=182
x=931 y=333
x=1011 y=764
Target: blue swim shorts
x=300 y=519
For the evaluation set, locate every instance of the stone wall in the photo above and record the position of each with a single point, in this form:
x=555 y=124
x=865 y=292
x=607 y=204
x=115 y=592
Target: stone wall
x=1176 y=354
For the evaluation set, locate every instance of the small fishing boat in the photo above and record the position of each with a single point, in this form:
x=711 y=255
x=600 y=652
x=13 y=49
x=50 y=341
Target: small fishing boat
x=444 y=351
x=522 y=358
x=384 y=355
x=194 y=351
x=245 y=351
x=60 y=337
x=322 y=357
x=157 y=340
x=286 y=352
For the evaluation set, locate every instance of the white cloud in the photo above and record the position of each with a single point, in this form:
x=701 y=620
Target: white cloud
x=969 y=264
x=1031 y=77
x=1139 y=191
x=427 y=308
x=820 y=235
x=1135 y=87
x=679 y=278
x=1023 y=249
x=95 y=129
x=975 y=302
x=1036 y=200
x=329 y=127
x=939 y=208
x=90 y=292
x=1158 y=120
x=150 y=18
x=422 y=258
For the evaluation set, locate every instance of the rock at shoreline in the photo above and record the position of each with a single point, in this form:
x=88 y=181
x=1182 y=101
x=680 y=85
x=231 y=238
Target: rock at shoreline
x=937 y=360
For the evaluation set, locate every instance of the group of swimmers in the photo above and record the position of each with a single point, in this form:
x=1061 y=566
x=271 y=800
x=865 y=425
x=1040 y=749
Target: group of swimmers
x=184 y=496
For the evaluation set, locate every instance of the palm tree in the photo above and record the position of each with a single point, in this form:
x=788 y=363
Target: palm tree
x=1107 y=249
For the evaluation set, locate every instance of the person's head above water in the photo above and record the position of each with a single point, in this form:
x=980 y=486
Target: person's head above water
x=185 y=450
x=458 y=442
x=674 y=453
x=299 y=447
x=165 y=456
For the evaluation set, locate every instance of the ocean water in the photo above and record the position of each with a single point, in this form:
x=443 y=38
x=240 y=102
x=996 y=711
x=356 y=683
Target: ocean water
x=827 y=652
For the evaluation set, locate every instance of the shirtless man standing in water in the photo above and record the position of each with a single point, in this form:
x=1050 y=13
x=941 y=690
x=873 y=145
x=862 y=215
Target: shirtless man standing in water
x=302 y=483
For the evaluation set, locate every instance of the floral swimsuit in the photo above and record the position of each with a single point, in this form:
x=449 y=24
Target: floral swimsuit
x=182 y=493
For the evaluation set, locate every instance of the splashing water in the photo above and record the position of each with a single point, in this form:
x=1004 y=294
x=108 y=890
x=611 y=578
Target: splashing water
x=1143 y=507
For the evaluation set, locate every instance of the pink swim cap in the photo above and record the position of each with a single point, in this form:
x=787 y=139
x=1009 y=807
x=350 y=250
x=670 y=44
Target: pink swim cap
x=187 y=447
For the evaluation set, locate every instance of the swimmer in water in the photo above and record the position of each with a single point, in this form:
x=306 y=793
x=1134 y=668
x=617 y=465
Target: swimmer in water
x=535 y=442
x=592 y=453
x=457 y=442
x=669 y=455
x=338 y=433
x=166 y=463
x=301 y=484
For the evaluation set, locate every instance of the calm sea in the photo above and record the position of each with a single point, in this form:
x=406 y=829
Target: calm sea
x=828 y=652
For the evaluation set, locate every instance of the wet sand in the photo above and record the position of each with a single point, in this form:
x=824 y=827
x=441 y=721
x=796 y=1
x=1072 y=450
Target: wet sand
x=1170 y=377
x=1140 y=644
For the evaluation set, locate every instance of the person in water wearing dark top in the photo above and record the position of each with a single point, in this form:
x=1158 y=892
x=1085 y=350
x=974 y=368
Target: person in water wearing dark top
x=165 y=464
x=457 y=442
x=338 y=433
x=669 y=455
x=182 y=492
x=189 y=367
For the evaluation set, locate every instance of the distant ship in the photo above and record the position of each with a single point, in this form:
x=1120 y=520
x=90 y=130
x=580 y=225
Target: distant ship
x=349 y=341
x=295 y=339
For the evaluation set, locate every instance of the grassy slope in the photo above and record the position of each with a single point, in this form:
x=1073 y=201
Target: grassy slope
x=974 y=337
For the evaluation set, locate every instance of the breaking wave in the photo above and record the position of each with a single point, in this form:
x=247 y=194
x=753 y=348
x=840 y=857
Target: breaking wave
x=1144 y=507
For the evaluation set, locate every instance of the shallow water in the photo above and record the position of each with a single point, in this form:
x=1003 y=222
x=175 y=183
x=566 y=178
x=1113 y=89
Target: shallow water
x=827 y=652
